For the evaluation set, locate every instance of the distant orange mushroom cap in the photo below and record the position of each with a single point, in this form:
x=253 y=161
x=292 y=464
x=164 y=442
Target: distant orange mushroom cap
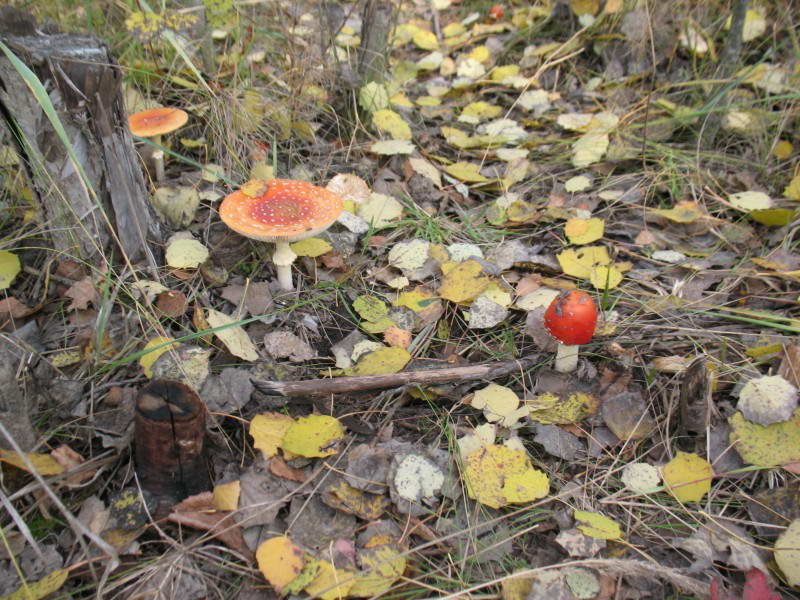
x=280 y=210
x=157 y=121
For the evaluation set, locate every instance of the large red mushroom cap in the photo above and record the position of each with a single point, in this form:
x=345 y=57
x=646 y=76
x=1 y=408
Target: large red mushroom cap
x=280 y=210
x=157 y=121
x=571 y=317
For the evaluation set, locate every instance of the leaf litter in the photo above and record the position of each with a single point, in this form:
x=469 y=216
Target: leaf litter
x=493 y=172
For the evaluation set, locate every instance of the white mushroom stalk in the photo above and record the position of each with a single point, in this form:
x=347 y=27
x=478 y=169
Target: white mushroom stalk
x=283 y=258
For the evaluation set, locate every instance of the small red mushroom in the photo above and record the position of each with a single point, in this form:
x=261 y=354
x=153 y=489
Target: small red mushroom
x=280 y=211
x=496 y=12
x=154 y=123
x=571 y=318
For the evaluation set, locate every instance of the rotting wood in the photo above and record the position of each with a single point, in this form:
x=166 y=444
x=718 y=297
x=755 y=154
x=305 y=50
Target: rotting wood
x=170 y=429
x=84 y=84
x=322 y=387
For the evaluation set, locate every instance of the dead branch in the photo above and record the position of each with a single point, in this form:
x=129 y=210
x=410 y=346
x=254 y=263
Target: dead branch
x=322 y=387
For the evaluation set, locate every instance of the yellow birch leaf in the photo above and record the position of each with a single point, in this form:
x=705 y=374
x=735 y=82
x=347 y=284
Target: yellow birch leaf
x=425 y=40
x=750 y=200
x=43 y=463
x=604 y=277
x=773 y=217
x=312 y=247
x=342 y=496
x=9 y=268
x=392 y=147
x=226 y=495
x=783 y=150
x=686 y=211
x=330 y=583
x=584 y=231
x=464 y=282
x=254 y=188
x=792 y=190
x=584 y=7
x=148 y=360
x=466 y=171
x=381 y=566
x=48 y=584
x=787 y=553
x=186 y=254
x=268 y=430
x=370 y=308
x=597 y=526
x=589 y=148
x=579 y=262
x=505 y=72
x=475 y=112
x=233 y=337
x=380 y=361
x=280 y=561
x=550 y=409
x=498 y=475
x=314 y=436
x=418 y=299
x=766 y=445
x=688 y=477
x=392 y=123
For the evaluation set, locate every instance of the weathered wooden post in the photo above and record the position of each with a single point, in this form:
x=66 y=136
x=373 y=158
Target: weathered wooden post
x=110 y=209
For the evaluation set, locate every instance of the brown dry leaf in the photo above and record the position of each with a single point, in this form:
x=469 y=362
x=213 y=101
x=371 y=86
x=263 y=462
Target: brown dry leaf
x=198 y=511
x=279 y=468
x=11 y=308
x=82 y=293
x=69 y=459
x=626 y=416
x=172 y=304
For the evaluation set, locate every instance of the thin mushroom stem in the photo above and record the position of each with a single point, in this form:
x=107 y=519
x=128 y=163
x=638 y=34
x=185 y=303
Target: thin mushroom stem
x=283 y=259
x=158 y=160
x=566 y=358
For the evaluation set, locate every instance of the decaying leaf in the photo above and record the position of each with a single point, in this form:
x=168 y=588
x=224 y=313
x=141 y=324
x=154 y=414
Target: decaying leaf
x=766 y=400
x=766 y=445
x=463 y=282
x=186 y=254
x=641 y=478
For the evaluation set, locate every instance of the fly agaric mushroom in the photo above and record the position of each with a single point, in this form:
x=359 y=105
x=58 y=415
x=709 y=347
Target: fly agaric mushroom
x=280 y=211
x=154 y=123
x=571 y=319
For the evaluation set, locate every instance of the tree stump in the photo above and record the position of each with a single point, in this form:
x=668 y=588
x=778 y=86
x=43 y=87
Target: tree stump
x=82 y=218
x=170 y=426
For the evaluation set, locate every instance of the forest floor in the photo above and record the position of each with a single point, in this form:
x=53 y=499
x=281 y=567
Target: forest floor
x=510 y=153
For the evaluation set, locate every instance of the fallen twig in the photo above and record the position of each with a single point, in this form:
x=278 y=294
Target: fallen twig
x=321 y=387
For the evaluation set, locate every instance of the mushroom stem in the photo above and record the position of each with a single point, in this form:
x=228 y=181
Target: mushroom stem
x=158 y=160
x=566 y=358
x=283 y=259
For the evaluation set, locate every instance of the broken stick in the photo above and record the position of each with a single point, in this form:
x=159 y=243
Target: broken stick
x=322 y=387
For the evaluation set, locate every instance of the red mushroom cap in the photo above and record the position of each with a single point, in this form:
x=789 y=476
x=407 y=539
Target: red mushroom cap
x=280 y=210
x=157 y=121
x=571 y=317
